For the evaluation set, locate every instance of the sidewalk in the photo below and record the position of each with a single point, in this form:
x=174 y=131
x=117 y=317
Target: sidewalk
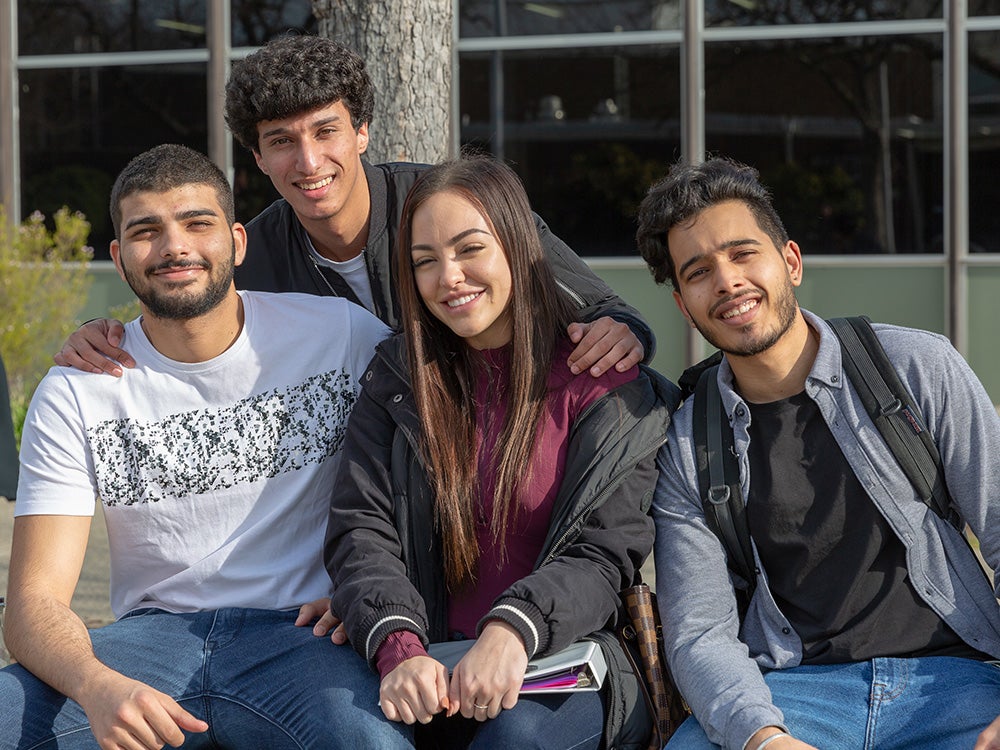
x=91 y=600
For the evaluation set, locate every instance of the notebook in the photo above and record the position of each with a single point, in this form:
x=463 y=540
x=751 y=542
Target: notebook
x=579 y=666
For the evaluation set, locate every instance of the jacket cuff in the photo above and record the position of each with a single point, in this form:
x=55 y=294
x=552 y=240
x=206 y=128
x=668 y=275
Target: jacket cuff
x=398 y=646
x=388 y=620
x=750 y=720
x=524 y=617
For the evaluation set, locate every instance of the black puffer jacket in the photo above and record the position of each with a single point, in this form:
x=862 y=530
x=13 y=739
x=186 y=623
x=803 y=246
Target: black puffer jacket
x=385 y=558
x=278 y=257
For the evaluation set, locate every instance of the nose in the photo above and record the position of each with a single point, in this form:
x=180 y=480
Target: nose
x=174 y=242
x=451 y=273
x=728 y=278
x=309 y=157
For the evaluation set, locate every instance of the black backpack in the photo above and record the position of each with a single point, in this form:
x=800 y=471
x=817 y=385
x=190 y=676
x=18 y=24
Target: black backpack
x=887 y=401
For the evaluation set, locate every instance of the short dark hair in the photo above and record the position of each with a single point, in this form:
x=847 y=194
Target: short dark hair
x=686 y=191
x=163 y=168
x=294 y=74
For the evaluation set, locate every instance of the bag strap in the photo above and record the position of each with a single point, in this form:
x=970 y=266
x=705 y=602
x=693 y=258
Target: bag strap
x=719 y=482
x=895 y=413
x=886 y=399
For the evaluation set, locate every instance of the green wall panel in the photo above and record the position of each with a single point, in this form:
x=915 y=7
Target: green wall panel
x=984 y=304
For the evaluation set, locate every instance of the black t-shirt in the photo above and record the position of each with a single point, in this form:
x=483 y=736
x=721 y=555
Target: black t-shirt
x=834 y=566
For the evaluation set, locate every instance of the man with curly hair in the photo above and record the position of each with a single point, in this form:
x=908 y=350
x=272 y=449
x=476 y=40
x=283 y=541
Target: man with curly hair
x=302 y=105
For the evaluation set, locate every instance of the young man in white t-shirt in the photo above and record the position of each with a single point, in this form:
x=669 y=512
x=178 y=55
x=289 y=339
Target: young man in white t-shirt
x=213 y=459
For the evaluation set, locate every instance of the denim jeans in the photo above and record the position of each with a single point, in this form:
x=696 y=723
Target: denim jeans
x=558 y=721
x=926 y=703
x=259 y=682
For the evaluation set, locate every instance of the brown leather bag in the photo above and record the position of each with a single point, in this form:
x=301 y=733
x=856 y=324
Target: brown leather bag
x=641 y=635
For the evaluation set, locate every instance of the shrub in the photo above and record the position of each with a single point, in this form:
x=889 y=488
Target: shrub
x=43 y=287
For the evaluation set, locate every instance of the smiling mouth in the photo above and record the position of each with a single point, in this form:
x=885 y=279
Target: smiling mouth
x=746 y=307
x=171 y=268
x=462 y=300
x=314 y=185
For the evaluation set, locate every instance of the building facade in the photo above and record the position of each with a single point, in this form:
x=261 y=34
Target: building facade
x=876 y=122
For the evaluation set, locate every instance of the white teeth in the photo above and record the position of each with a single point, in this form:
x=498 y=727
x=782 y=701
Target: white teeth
x=315 y=185
x=463 y=300
x=748 y=305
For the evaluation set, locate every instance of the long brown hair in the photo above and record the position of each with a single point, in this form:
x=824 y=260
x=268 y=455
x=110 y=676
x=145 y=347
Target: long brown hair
x=443 y=366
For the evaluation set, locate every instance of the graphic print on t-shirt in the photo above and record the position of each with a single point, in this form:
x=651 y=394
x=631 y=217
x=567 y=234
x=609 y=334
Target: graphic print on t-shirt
x=203 y=450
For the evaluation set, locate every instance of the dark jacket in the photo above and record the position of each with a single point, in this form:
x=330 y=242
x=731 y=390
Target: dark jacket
x=384 y=554
x=8 y=449
x=278 y=259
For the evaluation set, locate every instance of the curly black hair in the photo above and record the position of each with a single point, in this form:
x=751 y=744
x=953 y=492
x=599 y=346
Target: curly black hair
x=295 y=74
x=686 y=191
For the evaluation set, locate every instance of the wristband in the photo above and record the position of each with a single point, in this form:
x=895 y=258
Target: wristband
x=768 y=740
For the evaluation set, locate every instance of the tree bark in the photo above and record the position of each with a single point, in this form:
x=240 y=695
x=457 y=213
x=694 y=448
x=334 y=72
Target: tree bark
x=407 y=47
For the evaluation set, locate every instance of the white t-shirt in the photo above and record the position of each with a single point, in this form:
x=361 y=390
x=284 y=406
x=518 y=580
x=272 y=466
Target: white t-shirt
x=215 y=476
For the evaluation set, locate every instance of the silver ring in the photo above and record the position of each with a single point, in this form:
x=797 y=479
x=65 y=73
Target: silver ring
x=481 y=708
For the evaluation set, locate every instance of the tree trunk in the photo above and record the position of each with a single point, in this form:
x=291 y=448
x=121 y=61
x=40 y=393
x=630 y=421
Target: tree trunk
x=407 y=47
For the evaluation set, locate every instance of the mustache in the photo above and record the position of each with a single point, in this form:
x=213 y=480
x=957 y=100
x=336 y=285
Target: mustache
x=170 y=264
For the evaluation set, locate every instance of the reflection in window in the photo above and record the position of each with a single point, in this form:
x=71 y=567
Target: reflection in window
x=480 y=18
x=984 y=142
x=777 y=13
x=848 y=132
x=252 y=188
x=70 y=26
x=79 y=127
x=588 y=131
x=256 y=21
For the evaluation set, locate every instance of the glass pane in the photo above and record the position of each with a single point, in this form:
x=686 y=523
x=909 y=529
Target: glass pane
x=79 y=127
x=848 y=135
x=984 y=142
x=781 y=12
x=516 y=17
x=256 y=21
x=588 y=131
x=48 y=27
x=252 y=188
x=984 y=7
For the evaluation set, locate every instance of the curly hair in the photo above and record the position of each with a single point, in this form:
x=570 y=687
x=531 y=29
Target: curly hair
x=164 y=168
x=291 y=75
x=686 y=191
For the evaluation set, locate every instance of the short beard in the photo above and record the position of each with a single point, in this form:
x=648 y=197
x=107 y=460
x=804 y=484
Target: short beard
x=187 y=307
x=786 y=307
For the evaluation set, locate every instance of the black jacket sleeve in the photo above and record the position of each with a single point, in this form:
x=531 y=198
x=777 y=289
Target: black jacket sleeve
x=364 y=553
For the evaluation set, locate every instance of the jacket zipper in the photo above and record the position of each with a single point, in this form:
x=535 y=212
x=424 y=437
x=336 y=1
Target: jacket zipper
x=557 y=546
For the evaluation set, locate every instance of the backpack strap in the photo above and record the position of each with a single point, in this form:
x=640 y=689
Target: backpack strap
x=719 y=482
x=894 y=412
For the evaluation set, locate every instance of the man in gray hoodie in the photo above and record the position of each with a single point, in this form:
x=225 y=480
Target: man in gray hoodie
x=871 y=624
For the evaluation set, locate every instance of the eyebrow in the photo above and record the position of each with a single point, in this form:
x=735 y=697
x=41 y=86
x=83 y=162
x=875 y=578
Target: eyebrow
x=315 y=124
x=155 y=218
x=454 y=240
x=724 y=246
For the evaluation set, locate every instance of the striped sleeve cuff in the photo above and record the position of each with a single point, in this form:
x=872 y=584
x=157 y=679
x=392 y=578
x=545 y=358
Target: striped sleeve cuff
x=387 y=621
x=524 y=617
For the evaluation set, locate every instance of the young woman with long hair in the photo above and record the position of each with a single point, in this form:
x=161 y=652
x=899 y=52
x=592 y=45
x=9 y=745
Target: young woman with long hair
x=485 y=490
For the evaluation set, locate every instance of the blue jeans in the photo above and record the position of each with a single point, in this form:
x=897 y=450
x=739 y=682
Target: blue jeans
x=259 y=682
x=560 y=721
x=937 y=703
